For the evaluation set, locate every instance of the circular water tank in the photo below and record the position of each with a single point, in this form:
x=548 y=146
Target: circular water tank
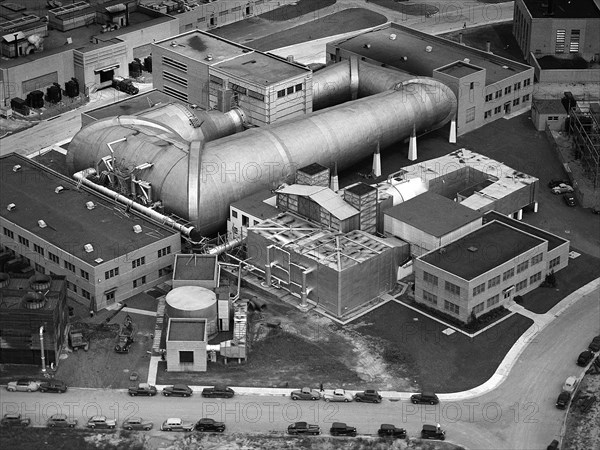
x=193 y=302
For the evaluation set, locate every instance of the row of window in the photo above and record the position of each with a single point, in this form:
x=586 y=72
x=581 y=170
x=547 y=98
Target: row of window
x=507 y=90
x=498 y=109
x=290 y=90
x=561 y=41
x=554 y=262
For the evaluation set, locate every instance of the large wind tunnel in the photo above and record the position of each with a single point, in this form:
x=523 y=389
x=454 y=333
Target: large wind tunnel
x=197 y=179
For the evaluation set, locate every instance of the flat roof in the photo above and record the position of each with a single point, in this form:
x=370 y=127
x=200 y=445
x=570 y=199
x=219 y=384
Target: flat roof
x=70 y=225
x=553 y=240
x=434 y=214
x=549 y=106
x=480 y=251
x=360 y=188
x=411 y=44
x=313 y=169
x=459 y=69
x=187 y=330
x=130 y=105
x=195 y=267
x=11 y=296
x=255 y=205
x=564 y=9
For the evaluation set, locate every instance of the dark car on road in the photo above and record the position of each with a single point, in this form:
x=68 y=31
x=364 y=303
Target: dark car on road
x=61 y=421
x=433 y=432
x=341 y=429
x=15 y=420
x=584 y=358
x=369 y=395
x=570 y=199
x=553 y=445
x=563 y=400
x=305 y=394
x=53 y=386
x=425 y=397
x=137 y=423
x=101 y=422
x=388 y=430
x=304 y=428
x=177 y=390
x=210 y=425
x=218 y=392
x=595 y=344
x=142 y=389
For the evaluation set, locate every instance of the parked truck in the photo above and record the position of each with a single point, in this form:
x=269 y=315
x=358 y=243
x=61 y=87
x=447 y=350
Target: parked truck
x=125 y=85
x=77 y=340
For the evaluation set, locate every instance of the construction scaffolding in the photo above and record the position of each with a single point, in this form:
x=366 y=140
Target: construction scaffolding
x=584 y=128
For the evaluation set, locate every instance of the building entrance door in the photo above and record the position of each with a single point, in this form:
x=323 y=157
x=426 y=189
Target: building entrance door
x=507 y=108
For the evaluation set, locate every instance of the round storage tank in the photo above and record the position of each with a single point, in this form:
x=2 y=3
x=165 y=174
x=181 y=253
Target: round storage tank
x=193 y=302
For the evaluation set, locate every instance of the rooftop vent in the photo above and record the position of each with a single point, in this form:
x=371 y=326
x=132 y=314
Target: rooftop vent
x=367 y=45
x=88 y=248
x=467 y=60
x=505 y=67
x=11 y=206
x=173 y=43
x=392 y=37
x=137 y=229
x=33 y=300
x=90 y=205
x=59 y=189
x=42 y=224
x=404 y=58
x=16 y=168
x=209 y=57
x=98 y=260
x=472 y=249
x=428 y=49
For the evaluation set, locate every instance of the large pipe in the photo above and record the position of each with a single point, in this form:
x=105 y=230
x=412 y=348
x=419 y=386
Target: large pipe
x=42 y=351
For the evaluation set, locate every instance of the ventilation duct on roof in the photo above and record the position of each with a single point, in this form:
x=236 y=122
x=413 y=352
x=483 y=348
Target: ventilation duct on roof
x=11 y=206
x=16 y=168
x=42 y=224
x=90 y=205
x=89 y=248
x=59 y=189
x=137 y=229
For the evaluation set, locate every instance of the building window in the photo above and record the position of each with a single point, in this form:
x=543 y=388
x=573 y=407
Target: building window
x=526 y=98
x=448 y=306
x=201 y=19
x=138 y=262
x=526 y=82
x=85 y=294
x=24 y=241
x=169 y=76
x=429 y=297
x=498 y=94
x=281 y=93
x=38 y=249
x=165 y=271
x=290 y=90
x=234 y=214
x=554 y=262
x=40 y=269
x=560 y=41
x=54 y=258
x=487 y=114
x=552 y=118
x=298 y=87
x=256 y=95
x=71 y=287
x=508 y=274
x=523 y=266
x=109 y=296
x=516 y=101
x=84 y=274
x=493 y=300
x=164 y=251
x=139 y=282
x=174 y=64
x=477 y=309
x=536 y=277
x=489 y=97
x=478 y=289
x=517 y=86
x=452 y=288
x=537 y=259
x=176 y=93
x=431 y=279
x=111 y=273
x=497 y=109
x=494 y=282
x=507 y=90
x=223 y=13
x=70 y=266
x=521 y=285
x=472 y=85
x=186 y=357
x=9 y=233
x=574 y=42
x=471 y=114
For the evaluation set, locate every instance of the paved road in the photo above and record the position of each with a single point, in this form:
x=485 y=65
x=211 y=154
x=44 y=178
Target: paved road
x=519 y=414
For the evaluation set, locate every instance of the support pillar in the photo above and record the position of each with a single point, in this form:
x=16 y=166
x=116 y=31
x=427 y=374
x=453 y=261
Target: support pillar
x=335 y=184
x=520 y=214
x=535 y=207
x=452 y=137
x=412 y=146
x=42 y=350
x=268 y=268
x=377 y=162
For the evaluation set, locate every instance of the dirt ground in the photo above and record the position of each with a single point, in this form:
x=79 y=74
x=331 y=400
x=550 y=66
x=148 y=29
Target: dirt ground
x=583 y=429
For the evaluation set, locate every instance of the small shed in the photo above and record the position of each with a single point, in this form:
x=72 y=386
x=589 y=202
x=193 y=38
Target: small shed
x=548 y=111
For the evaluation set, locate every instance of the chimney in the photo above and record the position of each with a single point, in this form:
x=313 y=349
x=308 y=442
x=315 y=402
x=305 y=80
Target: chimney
x=16 y=46
x=488 y=47
x=460 y=38
x=126 y=14
x=335 y=184
x=377 y=162
x=412 y=146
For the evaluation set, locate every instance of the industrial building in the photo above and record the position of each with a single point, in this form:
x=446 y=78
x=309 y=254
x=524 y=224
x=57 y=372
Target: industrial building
x=554 y=34
x=186 y=345
x=548 y=113
x=202 y=69
x=488 y=267
x=584 y=127
x=33 y=316
x=488 y=87
x=107 y=252
x=196 y=270
x=251 y=210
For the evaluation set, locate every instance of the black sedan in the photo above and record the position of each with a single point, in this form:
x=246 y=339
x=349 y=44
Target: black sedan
x=53 y=386
x=584 y=358
x=388 y=430
x=210 y=425
x=218 y=392
x=142 y=389
x=570 y=199
x=595 y=344
x=177 y=390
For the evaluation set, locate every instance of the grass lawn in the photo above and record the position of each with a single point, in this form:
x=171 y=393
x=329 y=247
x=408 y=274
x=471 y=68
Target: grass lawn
x=578 y=273
x=340 y=22
x=443 y=363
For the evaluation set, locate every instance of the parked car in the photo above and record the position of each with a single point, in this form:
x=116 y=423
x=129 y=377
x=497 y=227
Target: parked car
x=61 y=421
x=554 y=183
x=53 y=386
x=306 y=394
x=137 y=423
x=177 y=390
x=23 y=385
x=304 y=428
x=341 y=429
x=101 y=422
x=596 y=210
x=425 y=397
x=433 y=432
x=563 y=400
x=218 y=392
x=210 y=425
x=369 y=395
x=570 y=199
x=338 y=395
x=176 y=424
x=553 y=445
x=15 y=420
x=570 y=385
x=584 y=358
x=387 y=430
x=142 y=389
x=595 y=344
x=562 y=189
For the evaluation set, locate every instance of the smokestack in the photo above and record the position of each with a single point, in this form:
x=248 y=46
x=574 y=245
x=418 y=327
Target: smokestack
x=377 y=162
x=126 y=14
x=412 y=147
x=460 y=38
x=335 y=184
x=452 y=138
x=16 y=46
x=488 y=47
